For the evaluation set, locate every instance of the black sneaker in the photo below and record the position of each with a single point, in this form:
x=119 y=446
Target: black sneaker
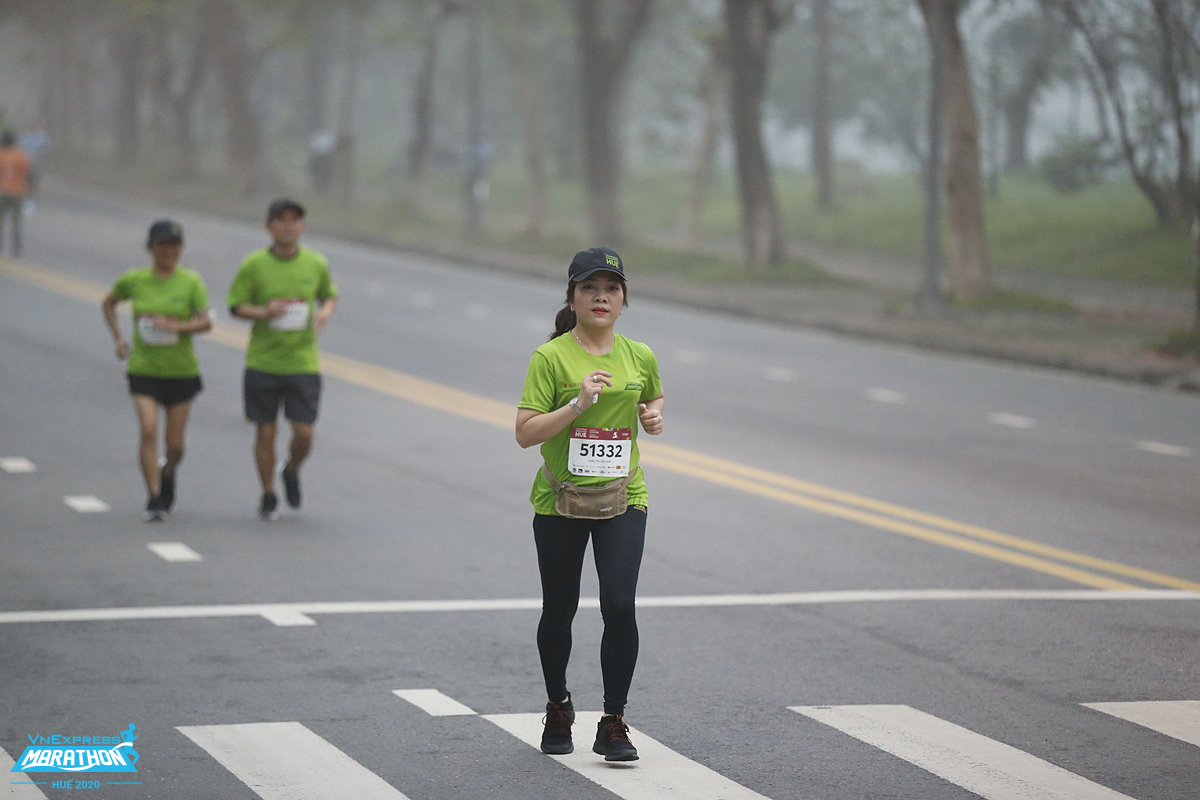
x=154 y=510
x=166 y=491
x=268 y=508
x=556 y=738
x=612 y=740
x=291 y=485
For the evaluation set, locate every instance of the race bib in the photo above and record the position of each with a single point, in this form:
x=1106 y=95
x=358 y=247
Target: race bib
x=294 y=318
x=600 y=451
x=154 y=336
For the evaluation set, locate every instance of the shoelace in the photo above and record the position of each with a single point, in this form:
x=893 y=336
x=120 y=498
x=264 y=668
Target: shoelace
x=617 y=731
x=557 y=720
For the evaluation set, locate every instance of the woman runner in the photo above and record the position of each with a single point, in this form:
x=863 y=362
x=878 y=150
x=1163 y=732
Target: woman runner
x=586 y=390
x=170 y=304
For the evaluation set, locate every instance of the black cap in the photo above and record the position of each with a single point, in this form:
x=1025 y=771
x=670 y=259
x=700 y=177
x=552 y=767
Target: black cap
x=165 y=230
x=597 y=259
x=284 y=204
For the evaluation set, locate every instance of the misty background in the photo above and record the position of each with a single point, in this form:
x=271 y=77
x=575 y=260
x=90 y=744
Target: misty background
x=735 y=130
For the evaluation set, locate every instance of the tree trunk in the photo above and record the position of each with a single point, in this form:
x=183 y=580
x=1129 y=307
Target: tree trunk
x=712 y=80
x=343 y=163
x=420 y=152
x=236 y=68
x=1016 y=133
x=970 y=264
x=130 y=53
x=822 y=126
x=520 y=47
x=603 y=65
x=750 y=25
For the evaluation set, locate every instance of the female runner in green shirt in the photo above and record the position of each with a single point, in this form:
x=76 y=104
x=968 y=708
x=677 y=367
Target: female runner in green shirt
x=586 y=391
x=170 y=303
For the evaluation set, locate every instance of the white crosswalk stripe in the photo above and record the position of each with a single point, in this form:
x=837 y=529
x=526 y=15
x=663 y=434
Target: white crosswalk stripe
x=1179 y=719
x=433 y=702
x=287 y=761
x=20 y=785
x=660 y=774
x=990 y=769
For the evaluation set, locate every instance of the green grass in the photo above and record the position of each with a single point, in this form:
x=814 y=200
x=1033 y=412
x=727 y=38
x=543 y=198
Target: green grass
x=1107 y=231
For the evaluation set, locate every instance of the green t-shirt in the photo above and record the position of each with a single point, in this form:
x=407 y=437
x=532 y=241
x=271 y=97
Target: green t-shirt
x=285 y=345
x=157 y=353
x=556 y=371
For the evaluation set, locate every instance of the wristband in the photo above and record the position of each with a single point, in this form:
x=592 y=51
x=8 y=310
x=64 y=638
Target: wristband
x=574 y=404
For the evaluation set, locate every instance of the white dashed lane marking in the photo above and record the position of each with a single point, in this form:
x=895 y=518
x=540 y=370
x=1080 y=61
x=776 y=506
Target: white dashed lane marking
x=1164 y=449
x=434 y=703
x=86 y=503
x=174 y=551
x=17 y=465
x=1011 y=420
x=781 y=374
x=880 y=395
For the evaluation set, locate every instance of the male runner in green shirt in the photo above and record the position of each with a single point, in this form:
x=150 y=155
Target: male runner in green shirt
x=286 y=290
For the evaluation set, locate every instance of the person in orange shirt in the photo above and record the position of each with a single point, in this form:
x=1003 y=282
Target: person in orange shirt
x=14 y=185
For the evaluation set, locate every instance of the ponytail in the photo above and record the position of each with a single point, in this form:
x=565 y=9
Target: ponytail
x=564 y=320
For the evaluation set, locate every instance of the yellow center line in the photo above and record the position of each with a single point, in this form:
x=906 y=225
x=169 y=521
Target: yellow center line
x=877 y=514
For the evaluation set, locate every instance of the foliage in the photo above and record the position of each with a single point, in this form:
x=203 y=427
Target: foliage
x=1073 y=164
x=1181 y=343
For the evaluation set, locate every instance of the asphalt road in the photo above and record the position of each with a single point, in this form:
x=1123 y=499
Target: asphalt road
x=871 y=572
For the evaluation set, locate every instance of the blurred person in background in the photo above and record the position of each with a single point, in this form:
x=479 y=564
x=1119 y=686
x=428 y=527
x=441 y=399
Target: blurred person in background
x=15 y=166
x=170 y=303
x=34 y=141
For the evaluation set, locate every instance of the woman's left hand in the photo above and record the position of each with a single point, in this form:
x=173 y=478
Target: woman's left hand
x=652 y=419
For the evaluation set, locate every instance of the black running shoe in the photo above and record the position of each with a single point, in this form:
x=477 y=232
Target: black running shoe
x=556 y=738
x=612 y=740
x=166 y=491
x=291 y=485
x=268 y=508
x=154 y=510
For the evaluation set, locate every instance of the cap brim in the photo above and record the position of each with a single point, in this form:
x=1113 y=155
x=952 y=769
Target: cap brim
x=587 y=273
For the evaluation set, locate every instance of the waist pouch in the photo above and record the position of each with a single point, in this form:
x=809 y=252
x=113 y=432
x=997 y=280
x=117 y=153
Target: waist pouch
x=589 y=502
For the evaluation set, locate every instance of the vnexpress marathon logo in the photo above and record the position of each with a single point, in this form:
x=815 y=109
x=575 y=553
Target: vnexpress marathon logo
x=80 y=754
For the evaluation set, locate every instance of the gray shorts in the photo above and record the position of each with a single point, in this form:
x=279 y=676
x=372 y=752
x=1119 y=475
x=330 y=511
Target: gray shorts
x=263 y=392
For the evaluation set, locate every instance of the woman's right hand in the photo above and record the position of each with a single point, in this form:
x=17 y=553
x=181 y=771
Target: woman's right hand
x=123 y=349
x=593 y=383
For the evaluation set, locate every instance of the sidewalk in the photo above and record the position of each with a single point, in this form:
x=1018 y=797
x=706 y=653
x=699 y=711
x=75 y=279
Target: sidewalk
x=1112 y=336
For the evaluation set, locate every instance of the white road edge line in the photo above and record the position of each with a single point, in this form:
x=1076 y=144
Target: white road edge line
x=1179 y=719
x=990 y=769
x=287 y=761
x=660 y=774
x=174 y=551
x=297 y=613
x=20 y=785
x=17 y=464
x=434 y=703
x=86 y=503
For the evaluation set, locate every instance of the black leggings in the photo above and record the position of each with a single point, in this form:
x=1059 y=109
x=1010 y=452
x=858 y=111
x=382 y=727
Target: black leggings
x=617 y=547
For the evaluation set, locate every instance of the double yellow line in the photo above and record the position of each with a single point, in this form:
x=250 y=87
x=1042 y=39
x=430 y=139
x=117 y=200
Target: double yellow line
x=1061 y=563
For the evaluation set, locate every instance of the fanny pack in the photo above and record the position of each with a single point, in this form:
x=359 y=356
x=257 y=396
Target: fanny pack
x=589 y=502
